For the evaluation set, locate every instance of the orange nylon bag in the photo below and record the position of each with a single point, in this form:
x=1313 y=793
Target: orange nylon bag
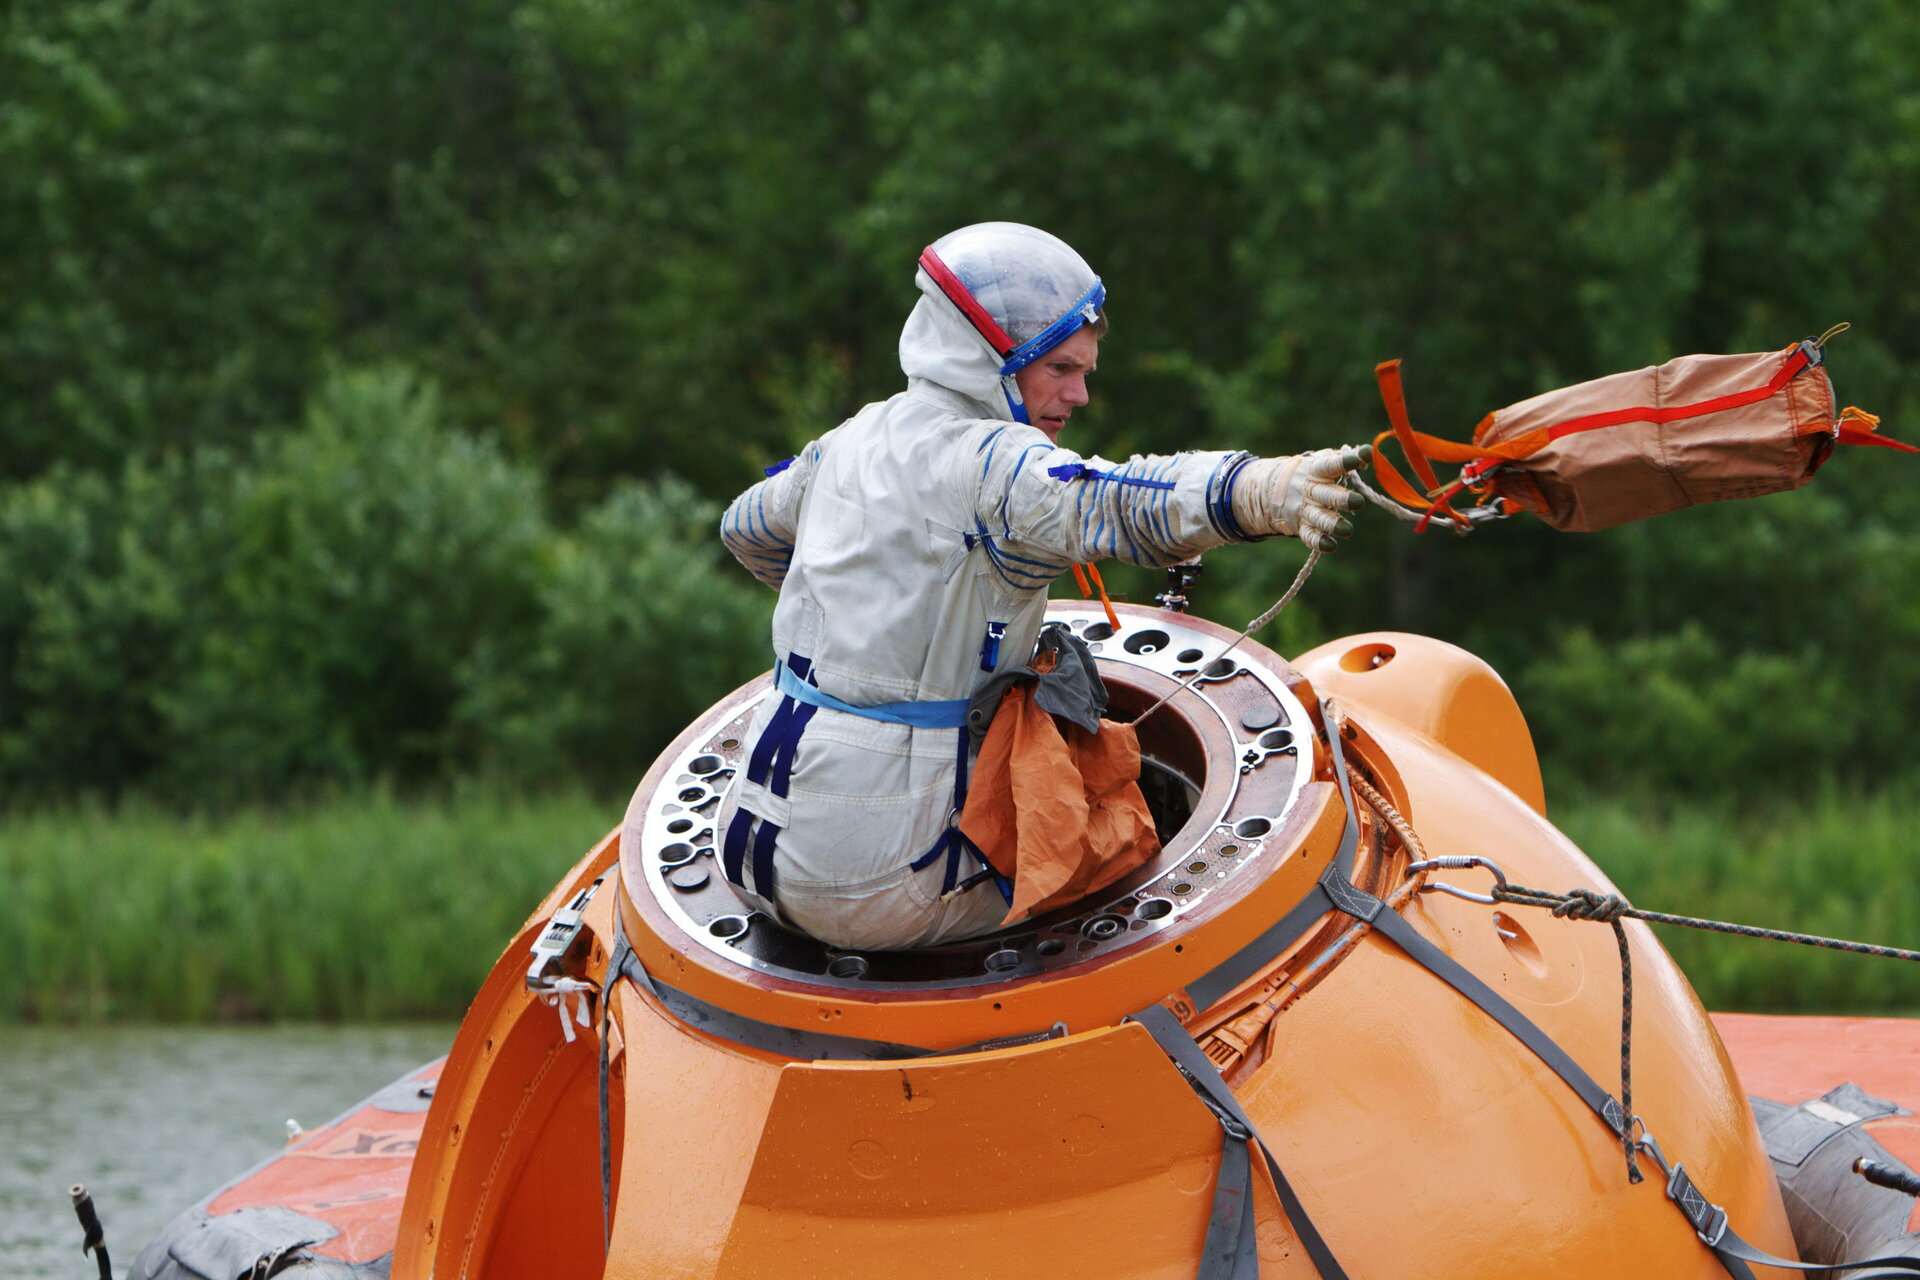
x=1701 y=428
x=1061 y=817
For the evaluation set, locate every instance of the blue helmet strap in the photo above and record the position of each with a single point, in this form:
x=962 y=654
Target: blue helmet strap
x=1015 y=401
x=1077 y=316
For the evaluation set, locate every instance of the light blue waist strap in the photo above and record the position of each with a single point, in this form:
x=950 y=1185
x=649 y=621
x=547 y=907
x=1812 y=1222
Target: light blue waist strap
x=921 y=715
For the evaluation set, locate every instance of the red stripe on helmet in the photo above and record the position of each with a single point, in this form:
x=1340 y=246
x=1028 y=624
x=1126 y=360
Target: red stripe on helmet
x=958 y=294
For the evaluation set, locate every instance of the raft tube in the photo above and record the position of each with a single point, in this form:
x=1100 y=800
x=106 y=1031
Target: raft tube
x=328 y=1204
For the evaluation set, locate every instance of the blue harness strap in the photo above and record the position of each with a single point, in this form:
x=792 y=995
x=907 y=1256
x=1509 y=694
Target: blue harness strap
x=770 y=764
x=950 y=714
x=778 y=783
x=953 y=842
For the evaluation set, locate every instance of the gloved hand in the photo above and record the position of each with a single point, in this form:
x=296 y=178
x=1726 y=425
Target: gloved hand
x=1301 y=495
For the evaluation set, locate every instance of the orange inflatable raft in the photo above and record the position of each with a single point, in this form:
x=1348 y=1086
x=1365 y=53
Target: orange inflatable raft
x=1277 y=1049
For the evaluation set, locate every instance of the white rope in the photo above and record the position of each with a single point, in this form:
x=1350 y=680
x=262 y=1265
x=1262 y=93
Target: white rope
x=1299 y=581
x=555 y=994
x=1381 y=500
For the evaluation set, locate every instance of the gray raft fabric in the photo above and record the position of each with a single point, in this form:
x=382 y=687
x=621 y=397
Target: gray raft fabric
x=1835 y=1213
x=195 y=1246
x=1794 y=1133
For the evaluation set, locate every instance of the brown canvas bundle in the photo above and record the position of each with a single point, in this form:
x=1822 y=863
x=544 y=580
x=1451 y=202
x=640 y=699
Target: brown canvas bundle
x=1653 y=464
x=1702 y=428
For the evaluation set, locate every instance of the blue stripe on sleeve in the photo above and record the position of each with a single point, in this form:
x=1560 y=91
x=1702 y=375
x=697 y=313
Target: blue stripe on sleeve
x=1006 y=493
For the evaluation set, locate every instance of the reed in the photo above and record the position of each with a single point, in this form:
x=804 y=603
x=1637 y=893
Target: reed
x=376 y=907
x=1832 y=863
x=366 y=907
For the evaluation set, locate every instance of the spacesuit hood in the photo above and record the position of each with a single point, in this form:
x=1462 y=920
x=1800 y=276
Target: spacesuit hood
x=997 y=297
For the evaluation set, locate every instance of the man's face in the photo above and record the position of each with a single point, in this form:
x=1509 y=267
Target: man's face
x=1056 y=384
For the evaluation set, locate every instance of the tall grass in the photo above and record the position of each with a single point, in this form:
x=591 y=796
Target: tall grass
x=373 y=907
x=1837 y=864
x=367 y=907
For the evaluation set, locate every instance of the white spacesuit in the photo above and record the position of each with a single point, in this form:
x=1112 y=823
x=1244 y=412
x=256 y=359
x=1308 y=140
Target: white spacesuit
x=912 y=547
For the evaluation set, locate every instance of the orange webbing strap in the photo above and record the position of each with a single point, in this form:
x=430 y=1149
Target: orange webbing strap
x=1387 y=373
x=1866 y=430
x=1080 y=574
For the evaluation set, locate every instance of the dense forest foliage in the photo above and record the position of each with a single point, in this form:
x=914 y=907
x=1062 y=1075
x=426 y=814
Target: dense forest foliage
x=371 y=373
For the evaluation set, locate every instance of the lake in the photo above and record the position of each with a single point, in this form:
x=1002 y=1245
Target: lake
x=153 y=1118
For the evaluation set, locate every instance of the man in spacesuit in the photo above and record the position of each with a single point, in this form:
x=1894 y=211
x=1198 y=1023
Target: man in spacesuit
x=913 y=546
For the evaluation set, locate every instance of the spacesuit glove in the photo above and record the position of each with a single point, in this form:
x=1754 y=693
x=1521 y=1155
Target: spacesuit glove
x=1301 y=496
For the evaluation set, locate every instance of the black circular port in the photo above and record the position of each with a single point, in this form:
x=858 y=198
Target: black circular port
x=1051 y=946
x=692 y=795
x=701 y=766
x=680 y=826
x=1252 y=828
x=1265 y=716
x=848 y=966
x=1003 y=961
x=1189 y=655
x=727 y=926
x=1097 y=631
x=1154 y=909
x=1277 y=739
x=1102 y=927
x=675 y=855
x=1221 y=668
x=1148 y=641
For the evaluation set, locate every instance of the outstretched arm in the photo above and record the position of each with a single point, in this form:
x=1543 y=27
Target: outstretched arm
x=1041 y=508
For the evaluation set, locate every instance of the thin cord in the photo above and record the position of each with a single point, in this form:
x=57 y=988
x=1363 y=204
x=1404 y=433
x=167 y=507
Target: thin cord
x=1299 y=581
x=1381 y=500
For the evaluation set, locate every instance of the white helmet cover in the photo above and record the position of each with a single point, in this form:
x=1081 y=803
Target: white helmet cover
x=1018 y=292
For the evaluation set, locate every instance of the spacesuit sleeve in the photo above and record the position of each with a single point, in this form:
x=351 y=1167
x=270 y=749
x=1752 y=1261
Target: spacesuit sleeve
x=1042 y=508
x=760 y=526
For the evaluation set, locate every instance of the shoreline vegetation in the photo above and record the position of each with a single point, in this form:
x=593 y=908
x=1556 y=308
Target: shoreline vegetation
x=362 y=907
x=370 y=906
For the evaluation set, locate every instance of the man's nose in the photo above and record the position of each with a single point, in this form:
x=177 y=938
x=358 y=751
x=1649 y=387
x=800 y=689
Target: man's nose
x=1075 y=391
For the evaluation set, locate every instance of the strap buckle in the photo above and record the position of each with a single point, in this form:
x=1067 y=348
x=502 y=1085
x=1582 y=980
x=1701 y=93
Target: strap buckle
x=547 y=963
x=1229 y=1123
x=1709 y=1220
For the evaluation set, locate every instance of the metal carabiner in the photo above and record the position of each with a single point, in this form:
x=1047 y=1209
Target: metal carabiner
x=1460 y=862
x=1647 y=1146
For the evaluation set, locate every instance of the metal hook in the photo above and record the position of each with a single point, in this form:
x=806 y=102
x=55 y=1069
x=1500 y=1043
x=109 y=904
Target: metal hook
x=1460 y=862
x=1646 y=1146
x=1481 y=898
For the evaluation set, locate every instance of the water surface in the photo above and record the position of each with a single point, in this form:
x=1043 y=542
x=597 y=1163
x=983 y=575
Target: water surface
x=153 y=1118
